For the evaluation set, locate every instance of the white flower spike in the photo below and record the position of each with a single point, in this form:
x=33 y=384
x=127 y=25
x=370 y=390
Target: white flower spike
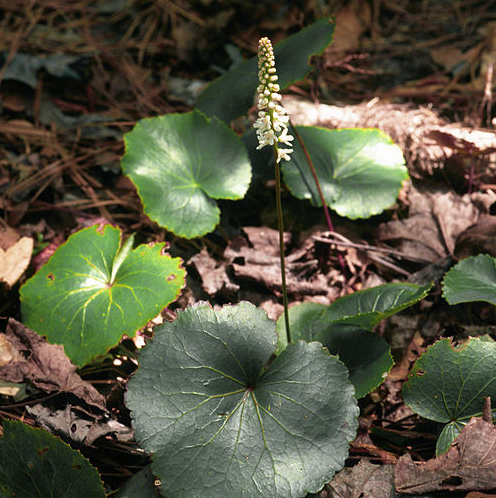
x=272 y=122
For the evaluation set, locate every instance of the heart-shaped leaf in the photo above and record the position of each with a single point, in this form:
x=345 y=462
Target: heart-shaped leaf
x=360 y=170
x=91 y=293
x=220 y=424
x=344 y=327
x=181 y=163
x=449 y=385
x=472 y=279
x=233 y=93
x=36 y=464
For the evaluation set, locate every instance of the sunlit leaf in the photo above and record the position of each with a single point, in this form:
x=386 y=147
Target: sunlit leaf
x=181 y=163
x=360 y=170
x=76 y=299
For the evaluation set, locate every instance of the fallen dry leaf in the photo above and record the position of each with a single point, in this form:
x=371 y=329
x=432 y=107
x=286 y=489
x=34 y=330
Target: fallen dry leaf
x=409 y=127
x=447 y=56
x=68 y=423
x=469 y=464
x=215 y=280
x=352 y=21
x=477 y=239
x=434 y=222
x=257 y=260
x=365 y=480
x=477 y=494
x=15 y=259
x=28 y=357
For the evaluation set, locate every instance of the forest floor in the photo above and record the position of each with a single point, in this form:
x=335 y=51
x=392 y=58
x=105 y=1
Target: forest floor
x=76 y=76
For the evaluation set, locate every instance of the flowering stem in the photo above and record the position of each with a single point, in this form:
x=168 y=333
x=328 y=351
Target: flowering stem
x=280 y=226
x=272 y=129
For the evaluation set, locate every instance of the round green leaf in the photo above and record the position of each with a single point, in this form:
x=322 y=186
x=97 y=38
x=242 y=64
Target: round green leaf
x=180 y=163
x=220 y=424
x=449 y=385
x=36 y=464
x=472 y=279
x=77 y=299
x=360 y=170
x=231 y=95
x=366 y=355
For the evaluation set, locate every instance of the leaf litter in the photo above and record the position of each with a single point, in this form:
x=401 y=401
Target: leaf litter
x=59 y=165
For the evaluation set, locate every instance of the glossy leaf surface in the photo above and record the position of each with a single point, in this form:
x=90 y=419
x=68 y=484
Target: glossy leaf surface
x=181 y=163
x=448 y=385
x=365 y=354
x=360 y=170
x=472 y=279
x=344 y=327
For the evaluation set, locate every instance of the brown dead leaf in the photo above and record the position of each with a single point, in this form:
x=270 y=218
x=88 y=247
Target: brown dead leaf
x=365 y=480
x=14 y=257
x=479 y=238
x=469 y=464
x=215 y=280
x=68 y=423
x=31 y=359
x=257 y=260
x=352 y=20
x=434 y=222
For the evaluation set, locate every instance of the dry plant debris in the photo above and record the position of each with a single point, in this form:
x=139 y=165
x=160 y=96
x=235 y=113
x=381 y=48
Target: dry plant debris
x=470 y=464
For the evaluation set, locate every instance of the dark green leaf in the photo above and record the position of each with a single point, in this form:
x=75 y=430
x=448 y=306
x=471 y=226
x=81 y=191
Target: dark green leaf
x=36 y=464
x=448 y=434
x=219 y=424
x=360 y=170
x=365 y=354
x=141 y=484
x=233 y=93
x=181 y=163
x=73 y=301
x=344 y=328
x=449 y=385
x=472 y=279
x=368 y=307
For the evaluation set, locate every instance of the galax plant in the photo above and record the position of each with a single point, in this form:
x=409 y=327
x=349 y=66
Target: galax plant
x=227 y=402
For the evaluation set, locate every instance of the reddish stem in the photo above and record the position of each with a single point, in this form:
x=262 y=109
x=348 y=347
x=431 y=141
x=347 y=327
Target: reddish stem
x=321 y=195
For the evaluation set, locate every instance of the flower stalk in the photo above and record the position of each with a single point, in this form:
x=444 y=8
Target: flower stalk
x=272 y=129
